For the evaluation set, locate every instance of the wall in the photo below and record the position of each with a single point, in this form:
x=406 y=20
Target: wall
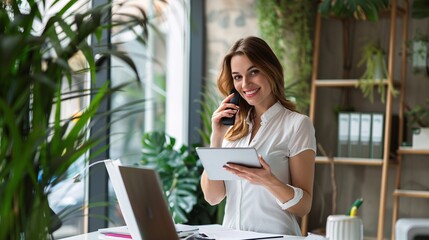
x=227 y=21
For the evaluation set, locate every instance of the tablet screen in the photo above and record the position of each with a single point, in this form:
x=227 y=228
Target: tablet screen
x=213 y=160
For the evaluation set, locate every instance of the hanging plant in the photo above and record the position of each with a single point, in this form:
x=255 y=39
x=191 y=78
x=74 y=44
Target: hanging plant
x=284 y=24
x=373 y=56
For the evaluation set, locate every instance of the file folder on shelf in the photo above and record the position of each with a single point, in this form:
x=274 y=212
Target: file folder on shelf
x=354 y=147
x=343 y=134
x=365 y=135
x=377 y=135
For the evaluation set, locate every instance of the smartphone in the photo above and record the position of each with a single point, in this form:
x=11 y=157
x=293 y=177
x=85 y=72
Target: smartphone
x=236 y=100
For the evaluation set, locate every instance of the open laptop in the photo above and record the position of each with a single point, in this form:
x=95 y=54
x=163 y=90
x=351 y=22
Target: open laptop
x=142 y=203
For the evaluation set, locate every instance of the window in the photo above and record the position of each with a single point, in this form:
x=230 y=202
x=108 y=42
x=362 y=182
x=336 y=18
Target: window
x=163 y=90
x=68 y=197
x=162 y=67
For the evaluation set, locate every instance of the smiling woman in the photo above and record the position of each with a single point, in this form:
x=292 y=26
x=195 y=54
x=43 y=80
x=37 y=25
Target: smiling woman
x=266 y=199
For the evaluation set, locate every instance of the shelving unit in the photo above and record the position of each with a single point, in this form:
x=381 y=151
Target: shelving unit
x=317 y=83
x=350 y=161
x=399 y=192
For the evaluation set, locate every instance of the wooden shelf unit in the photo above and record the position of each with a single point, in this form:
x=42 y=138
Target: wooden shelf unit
x=410 y=150
x=411 y=193
x=345 y=82
x=393 y=13
x=350 y=161
x=400 y=192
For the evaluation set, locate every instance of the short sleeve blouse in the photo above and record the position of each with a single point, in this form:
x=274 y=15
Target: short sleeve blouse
x=283 y=134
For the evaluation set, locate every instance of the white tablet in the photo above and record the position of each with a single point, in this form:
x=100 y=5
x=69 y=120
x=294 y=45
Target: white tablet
x=213 y=160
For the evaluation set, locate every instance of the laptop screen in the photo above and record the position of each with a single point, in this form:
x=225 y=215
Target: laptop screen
x=142 y=201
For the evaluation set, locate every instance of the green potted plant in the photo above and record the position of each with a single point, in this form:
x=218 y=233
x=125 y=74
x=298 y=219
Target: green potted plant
x=37 y=145
x=375 y=73
x=180 y=171
x=418 y=119
x=417 y=52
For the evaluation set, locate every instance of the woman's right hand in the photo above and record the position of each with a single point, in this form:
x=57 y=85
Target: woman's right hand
x=225 y=109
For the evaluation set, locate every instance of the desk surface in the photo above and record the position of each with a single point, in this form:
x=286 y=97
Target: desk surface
x=94 y=235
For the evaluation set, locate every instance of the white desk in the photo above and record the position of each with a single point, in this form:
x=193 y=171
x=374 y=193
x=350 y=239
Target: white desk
x=203 y=228
x=87 y=236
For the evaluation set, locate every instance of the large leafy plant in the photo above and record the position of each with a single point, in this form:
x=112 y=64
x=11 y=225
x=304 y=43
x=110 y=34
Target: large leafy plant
x=180 y=171
x=37 y=145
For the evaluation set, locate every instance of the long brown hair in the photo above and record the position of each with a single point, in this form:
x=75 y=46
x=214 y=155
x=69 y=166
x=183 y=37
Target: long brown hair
x=262 y=57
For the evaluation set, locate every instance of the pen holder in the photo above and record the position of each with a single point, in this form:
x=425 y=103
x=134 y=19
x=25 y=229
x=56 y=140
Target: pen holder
x=340 y=227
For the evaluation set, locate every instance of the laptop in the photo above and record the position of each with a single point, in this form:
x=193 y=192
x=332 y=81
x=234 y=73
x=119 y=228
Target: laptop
x=143 y=204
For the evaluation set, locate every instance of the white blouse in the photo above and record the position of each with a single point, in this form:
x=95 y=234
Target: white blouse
x=283 y=134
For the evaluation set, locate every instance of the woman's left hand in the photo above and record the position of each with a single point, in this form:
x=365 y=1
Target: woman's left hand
x=259 y=176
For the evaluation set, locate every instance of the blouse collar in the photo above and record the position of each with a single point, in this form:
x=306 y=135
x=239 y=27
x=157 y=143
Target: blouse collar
x=267 y=115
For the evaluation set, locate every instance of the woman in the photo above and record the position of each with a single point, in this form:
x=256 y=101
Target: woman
x=267 y=199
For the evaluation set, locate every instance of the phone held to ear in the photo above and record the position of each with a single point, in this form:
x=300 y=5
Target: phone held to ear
x=236 y=100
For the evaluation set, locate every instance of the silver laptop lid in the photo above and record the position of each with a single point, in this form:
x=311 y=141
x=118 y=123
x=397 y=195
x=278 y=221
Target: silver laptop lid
x=142 y=201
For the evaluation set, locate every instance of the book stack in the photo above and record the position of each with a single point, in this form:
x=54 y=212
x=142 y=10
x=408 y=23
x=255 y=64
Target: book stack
x=360 y=135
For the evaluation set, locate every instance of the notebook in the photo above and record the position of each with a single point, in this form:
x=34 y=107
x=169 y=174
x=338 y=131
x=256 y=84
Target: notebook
x=143 y=205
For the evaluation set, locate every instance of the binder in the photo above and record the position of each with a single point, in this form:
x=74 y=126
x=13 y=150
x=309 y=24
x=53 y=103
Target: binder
x=377 y=135
x=365 y=135
x=394 y=135
x=354 y=146
x=343 y=134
